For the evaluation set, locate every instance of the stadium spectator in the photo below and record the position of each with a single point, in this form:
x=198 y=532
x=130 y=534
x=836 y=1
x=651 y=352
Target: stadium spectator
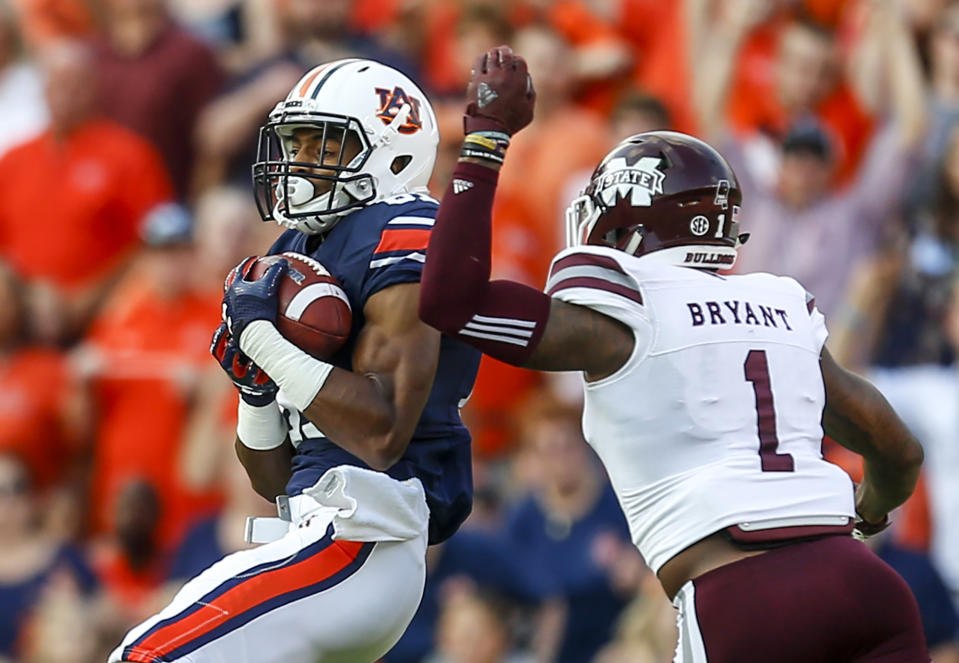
x=72 y=199
x=41 y=412
x=143 y=356
x=226 y=229
x=944 y=71
x=46 y=21
x=22 y=107
x=241 y=31
x=29 y=561
x=154 y=79
x=571 y=527
x=311 y=32
x=131 y=560
x=63 y=626
x=895 y=321
x=645 y=631
x=925 y=394
x=475 y=628
x=732 y=82
x=212 y=538
x=479 y=558
x=810 y=231
x=940 y=621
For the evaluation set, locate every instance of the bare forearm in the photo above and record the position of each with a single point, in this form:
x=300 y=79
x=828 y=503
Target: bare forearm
x=269 y=470
x=356 y=411
x=906 y=84
x=859 y=418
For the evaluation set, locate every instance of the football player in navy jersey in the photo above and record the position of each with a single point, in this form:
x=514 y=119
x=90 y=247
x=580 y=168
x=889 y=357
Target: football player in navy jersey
x=368 y=445
x=706 y=395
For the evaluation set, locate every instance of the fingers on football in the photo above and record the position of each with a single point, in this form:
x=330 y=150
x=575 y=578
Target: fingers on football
x=240 y=271
x=240 y=365
x=220 y=339
x=275 y=273
x=261 y=377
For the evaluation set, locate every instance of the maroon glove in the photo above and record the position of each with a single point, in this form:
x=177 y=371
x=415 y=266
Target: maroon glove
x=500 y=96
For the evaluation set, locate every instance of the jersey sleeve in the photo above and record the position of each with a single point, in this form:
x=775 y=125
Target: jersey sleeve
x=818 y=322
x=591 y=277
x=400 y=251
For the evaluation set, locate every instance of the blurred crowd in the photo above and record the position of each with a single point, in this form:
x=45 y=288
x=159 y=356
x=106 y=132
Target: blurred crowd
x=127 y=130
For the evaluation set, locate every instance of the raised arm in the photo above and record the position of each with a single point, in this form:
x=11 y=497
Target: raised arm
x=506 y=320
x=860 y=419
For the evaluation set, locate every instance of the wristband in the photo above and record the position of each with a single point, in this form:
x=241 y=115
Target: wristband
x=488 y=145
x=299 y=375
x=260 y=427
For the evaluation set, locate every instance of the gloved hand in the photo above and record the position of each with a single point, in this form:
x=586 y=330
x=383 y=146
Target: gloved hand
x=865 y=529
x=246 y=301
x=500 y=96
x=255 y=386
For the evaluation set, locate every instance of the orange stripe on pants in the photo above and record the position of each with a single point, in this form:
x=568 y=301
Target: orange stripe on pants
x=245 y=596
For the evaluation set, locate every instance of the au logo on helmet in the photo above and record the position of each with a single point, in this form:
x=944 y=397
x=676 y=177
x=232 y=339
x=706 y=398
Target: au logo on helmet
x=391 y=101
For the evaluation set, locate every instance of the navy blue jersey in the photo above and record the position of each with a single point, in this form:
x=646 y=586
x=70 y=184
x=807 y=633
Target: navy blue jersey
x=371 y=249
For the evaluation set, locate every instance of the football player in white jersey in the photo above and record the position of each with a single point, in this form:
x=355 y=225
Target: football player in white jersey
x=706 y=395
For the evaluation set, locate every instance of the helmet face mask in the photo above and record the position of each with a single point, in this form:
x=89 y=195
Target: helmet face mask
x=374 y=134
x=311 y=196
x=662 y=192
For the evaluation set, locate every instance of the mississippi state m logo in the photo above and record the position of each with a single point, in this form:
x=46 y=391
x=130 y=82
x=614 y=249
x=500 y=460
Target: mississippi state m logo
x=391 y=101
x=639 y=182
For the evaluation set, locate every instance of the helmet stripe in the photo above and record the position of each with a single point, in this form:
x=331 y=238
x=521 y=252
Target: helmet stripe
x=310 y=78
x=327 y=75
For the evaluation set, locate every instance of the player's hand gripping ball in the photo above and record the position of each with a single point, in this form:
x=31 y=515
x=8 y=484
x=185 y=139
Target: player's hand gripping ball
x=500 y=96
x=255 y=386
x=294 y=292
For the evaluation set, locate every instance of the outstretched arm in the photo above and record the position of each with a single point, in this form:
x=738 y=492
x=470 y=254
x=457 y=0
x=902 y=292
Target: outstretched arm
x=506 y=320
x=860 y=419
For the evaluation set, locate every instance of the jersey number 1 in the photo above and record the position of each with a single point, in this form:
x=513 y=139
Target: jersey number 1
x=757 y=372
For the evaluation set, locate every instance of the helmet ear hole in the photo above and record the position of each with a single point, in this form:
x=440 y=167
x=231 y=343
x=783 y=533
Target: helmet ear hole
x=400 y=162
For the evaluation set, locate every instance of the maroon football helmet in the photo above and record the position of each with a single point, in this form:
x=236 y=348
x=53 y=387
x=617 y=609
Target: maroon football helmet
x=661 y=191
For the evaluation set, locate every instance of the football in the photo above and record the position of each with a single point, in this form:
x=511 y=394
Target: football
x=315 y=313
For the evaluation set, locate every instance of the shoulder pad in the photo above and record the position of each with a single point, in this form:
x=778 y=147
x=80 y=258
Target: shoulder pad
x=594 y=277
x=593 y=268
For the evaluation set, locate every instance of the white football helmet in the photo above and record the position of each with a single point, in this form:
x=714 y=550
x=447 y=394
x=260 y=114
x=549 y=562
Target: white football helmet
x=347 y=102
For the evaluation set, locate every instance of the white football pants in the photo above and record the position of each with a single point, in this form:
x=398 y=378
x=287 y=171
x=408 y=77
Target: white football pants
x=340 y=587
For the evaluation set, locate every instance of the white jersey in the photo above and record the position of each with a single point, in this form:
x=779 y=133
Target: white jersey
x=714 y=420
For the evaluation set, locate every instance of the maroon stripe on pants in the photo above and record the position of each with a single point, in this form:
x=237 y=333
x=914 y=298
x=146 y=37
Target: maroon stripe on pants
x=825 y=601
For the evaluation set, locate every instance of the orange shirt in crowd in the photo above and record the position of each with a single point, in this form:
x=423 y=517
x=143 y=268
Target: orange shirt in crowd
x=660 y=53
x=70 y=211
x=33 y=401
x=754 y=105
x=47 y=20
x=134 y=591
x=535 y=177
x=148 y=344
